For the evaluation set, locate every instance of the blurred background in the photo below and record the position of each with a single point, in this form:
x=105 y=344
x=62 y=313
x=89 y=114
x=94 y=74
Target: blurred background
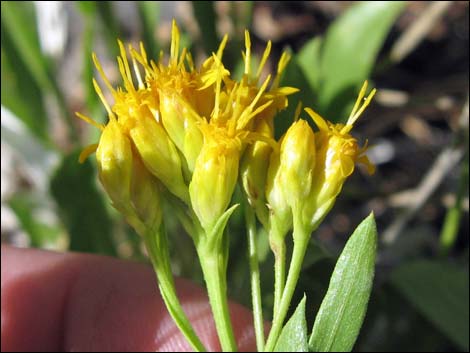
x=415 y=53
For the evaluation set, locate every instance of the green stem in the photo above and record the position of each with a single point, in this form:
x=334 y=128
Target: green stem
x=278 y=246
x=451 y=225
x=157 y=248
x=214 y=274
x=300 y=246
x=255 y=278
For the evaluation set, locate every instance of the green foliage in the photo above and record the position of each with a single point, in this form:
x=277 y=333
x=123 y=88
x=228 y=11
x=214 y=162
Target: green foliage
x=293 y=336
x=81 y=206
x=206 y=18
x=20 y=70
x=41 y=235
x=440 y=291
x=337 y=66
x=343 y=309
x=150 y=13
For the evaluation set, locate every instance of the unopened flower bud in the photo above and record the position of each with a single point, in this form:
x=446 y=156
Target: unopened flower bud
x=145 y=196
x=159 y=155
x=254 y=170
x=214 y=179
x=114 y=156
x=337 y=154
x=280 y=211
x=297 y=163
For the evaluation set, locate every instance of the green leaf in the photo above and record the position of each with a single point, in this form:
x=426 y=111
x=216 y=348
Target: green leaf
x=88 y=8
x=150 y=15
x=40 y=234
x=293 y=337
x=216 y=232
x=441 y=293
x=308 y=59
x=204 y=13
x=20 y=22
x=81 y=206
x=343 y=309
x=349 y=53
x=18 y=83
x=18 y=18
x=110 y=25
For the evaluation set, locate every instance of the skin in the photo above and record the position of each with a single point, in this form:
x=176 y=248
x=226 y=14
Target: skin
x=79 y=302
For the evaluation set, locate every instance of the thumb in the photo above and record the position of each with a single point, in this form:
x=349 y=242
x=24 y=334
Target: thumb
x=52 y=301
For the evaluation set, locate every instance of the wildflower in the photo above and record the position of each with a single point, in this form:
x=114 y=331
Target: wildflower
x=337 y=153
x=135 y=111
x=178 y=86
x=239 y=109
x=215 y=176
x=255 y=161
x=114 y=157
x=297 y=162
x=133 y=191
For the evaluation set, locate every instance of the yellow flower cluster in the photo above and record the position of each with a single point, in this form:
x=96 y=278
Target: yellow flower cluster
x=196 y=131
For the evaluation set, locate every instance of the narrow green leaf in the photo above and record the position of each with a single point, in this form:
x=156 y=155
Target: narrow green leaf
x=349 y=53
x=41 y=235
x=17 y=83
x=309 y=61
x=150 y=15
x=247 y=16
x=18 y=18
x=219 y=227
x=81 y=206
x=343 y=309
x=293 y=336
x=20 y=22
x=441 y=293
x=87 y=8
x=452 y=220
x=204 y=13
x=110 y=25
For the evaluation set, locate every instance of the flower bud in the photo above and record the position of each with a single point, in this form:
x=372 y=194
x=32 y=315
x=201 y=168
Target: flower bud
x=280 y=210
x=214 y=179
x=114 y=156
x=172 y=117
x=297 y=163
x=337 y=154
x=159 y=155
x=145 y=195
x=193 y=141
x=254 y=170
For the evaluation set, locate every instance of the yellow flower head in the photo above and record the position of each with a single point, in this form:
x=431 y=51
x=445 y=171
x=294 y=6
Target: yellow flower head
x=215 y=175
x=242 y=114
x=179 y=86
x=297 y=162
x=135 y=111
x=133 y=191
x=337 y=153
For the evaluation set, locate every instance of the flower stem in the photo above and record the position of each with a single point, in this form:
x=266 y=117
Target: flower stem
x=278 y=246
x=157 y=248
x=255 y=278
x=214 y=274
x=301 y=239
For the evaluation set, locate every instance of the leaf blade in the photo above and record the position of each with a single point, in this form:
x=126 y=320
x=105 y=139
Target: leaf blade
x=293 y=337
x=81 y=207
x=349 y=53
x=440 y=292
x=343 y=309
